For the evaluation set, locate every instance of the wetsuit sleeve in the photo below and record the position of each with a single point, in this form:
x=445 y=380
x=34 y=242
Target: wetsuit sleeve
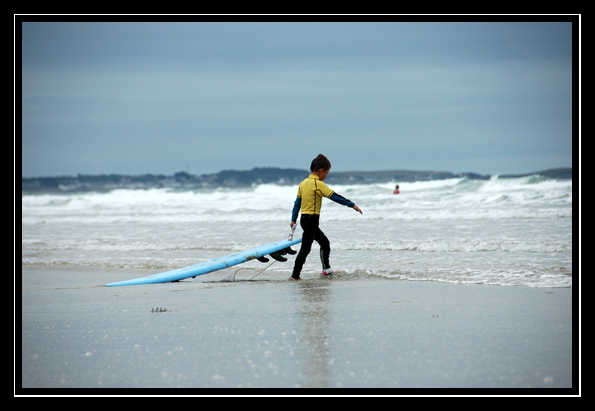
x=338 y=198
x=296 y=209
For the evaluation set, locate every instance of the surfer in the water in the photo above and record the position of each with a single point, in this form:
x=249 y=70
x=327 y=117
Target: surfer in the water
x=309 y=201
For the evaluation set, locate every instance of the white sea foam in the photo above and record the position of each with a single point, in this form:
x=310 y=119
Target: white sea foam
x=499 y=231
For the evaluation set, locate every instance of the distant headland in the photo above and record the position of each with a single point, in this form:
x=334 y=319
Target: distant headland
x=248 y=178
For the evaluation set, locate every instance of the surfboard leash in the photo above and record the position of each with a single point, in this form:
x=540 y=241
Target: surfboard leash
x=262 y=270
x=250 y=268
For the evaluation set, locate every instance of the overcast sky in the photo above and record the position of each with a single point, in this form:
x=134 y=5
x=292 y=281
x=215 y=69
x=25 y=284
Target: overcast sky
x=138 y=98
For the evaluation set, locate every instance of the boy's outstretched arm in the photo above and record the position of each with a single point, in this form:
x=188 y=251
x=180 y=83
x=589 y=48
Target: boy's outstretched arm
x=338 y=198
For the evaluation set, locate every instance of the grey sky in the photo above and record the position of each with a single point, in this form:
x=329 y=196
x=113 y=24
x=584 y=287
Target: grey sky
x=136 y=98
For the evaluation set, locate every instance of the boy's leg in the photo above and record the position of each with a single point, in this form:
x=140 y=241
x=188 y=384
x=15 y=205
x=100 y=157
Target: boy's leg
x=301 y=257
x=325 y=249
x=308 y=225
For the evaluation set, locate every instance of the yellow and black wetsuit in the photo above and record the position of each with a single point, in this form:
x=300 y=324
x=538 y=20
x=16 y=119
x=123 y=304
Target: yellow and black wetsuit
x=309 y=201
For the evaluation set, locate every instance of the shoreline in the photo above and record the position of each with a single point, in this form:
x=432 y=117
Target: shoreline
x=363 y=333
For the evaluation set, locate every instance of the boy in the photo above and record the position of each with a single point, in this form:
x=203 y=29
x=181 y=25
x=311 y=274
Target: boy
x=309 y=201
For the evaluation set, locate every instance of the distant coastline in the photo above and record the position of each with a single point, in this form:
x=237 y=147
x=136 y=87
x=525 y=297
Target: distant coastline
x=248 y=178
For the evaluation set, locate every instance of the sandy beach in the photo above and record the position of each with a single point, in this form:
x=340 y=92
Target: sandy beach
x=318 y=333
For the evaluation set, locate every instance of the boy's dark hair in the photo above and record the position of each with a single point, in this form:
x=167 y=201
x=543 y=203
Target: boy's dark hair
x=320 y=162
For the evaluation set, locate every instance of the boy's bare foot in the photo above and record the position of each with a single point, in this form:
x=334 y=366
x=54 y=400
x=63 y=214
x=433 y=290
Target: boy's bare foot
x=294 y=279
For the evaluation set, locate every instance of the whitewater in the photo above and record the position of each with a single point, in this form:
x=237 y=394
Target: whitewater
x=504 y=232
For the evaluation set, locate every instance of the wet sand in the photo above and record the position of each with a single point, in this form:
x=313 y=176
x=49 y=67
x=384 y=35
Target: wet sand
x=318 y=333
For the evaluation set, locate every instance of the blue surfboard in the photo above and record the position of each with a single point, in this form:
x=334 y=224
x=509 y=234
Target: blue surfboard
x=211 y=265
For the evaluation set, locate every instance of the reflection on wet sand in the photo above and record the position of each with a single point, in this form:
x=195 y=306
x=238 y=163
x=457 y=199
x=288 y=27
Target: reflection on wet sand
x=316 y=332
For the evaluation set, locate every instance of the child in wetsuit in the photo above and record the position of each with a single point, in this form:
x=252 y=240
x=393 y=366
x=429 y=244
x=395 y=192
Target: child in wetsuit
x=309 y=201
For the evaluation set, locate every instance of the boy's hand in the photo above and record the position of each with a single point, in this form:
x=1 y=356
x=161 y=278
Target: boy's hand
x=356 y=208
x=292 y=224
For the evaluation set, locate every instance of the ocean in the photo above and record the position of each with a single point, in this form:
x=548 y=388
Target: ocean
x=500 y=232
